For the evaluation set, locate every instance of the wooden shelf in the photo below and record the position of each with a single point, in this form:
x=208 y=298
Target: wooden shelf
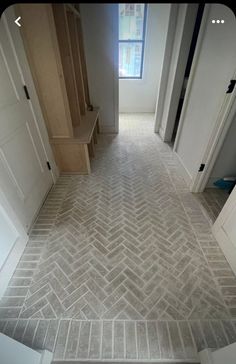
x=82 y=133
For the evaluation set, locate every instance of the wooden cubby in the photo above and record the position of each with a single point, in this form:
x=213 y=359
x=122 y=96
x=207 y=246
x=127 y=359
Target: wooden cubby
x=53 y=40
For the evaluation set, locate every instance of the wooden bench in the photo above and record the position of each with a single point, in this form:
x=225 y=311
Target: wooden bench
x=73 y=153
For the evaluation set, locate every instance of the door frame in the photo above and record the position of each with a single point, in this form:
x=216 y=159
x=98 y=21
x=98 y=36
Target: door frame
x=181 y=33
x=166 y=65
x=215 y=142
x=200 y=38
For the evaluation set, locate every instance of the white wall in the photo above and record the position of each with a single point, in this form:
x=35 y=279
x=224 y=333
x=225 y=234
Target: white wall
x=226 y=161
x=209 y=78
x=140 y=95
x=100 y=31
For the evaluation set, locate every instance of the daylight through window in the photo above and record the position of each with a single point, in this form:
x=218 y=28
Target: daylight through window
x=132 y=20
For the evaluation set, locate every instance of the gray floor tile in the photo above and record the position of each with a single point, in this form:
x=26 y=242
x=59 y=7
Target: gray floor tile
x=122 y=263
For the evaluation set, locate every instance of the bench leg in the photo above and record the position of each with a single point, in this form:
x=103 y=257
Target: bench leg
x=91 y=148
x=95 y=139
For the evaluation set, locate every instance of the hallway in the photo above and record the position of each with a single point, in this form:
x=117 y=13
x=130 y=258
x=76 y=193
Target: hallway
x=127 y=249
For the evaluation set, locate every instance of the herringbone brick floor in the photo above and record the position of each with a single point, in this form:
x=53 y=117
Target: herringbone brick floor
x=128 y=243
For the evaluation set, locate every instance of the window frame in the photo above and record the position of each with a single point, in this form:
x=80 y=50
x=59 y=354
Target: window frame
x=137 y=41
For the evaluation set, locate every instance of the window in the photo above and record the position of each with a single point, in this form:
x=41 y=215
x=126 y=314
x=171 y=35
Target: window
x=132 y=20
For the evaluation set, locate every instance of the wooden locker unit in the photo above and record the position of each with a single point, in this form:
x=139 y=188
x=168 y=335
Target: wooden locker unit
x=83 y=61
x=71 y=18
x=52 y=37
x=63 y=37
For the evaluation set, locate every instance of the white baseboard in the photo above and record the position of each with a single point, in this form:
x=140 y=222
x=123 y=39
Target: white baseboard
x=11 y=262
x=184 y=172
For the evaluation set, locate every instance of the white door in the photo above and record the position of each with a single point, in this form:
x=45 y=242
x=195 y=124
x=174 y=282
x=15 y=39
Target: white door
x=213 y=68
x=24 y=176
x=224 y=229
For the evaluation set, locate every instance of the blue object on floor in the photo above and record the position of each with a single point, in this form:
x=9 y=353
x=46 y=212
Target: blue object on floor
x=224 y=185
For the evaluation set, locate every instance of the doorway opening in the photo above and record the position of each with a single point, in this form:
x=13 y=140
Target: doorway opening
x=187 y=70
x=142 y=35
x=222 y=178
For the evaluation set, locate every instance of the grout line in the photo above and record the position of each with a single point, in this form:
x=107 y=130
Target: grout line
x=56 y=338
x=23 y=335
x=158 y=338
x=89 y=340
x=77 y=348
x=202 y=333
x=112 y=339
x=141 y=361
x=124 y=335
x=118 y=320
x=36 y=328
x=67 y=338
x=148 y=346
x=136 y=339
x=102 y=329
x=44 y=340
x=181 y=339
x=13 y=333
x=170 y=341
x=224 y=332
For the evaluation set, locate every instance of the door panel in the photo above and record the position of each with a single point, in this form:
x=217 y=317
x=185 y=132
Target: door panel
x=8 y=94
x=224 y=229
x=213 y=67
x=24 y=177
x=22 y=145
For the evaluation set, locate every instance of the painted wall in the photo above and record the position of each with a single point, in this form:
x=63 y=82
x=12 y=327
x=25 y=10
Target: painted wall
x=226 y=161
x=210 y=75
x=100 y=31
x=141 y=95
